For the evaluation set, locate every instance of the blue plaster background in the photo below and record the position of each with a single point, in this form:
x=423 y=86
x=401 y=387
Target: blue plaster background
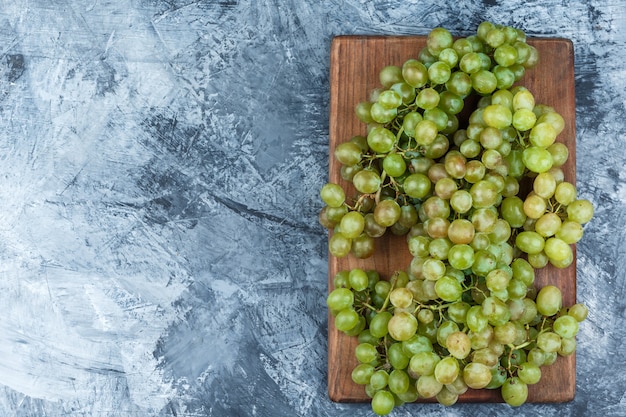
x=160 y=162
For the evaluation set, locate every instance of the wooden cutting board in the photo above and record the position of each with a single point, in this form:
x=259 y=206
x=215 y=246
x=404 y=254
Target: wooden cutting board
x=354 y=67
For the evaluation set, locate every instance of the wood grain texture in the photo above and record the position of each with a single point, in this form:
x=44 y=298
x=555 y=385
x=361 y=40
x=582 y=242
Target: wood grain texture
x=355 y=65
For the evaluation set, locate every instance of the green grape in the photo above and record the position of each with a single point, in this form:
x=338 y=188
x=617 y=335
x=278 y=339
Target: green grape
x=497 y=116
x=417 y=343
x=498 y=377
x=389 y=99
x=358 y=279
x=418 y=245
x=458 y=344
x=450 y=102
x=447 y=370
x=557 y=250
x=339 y=245
x=401 y=297
x=390 y=75
x=534 y=206
x=381 y=114
x=438 y=147
x=423 y=363
x=514 y=392
x=495 y=310
x=352 y=224
x=476 y=375
x=549 y=342
x=461 y=257
x=537 y=159
x=414 y=73
x=566 y=326
x=578 y=311
x=363 y=111
x=378 y=324
x=394 y=164
x=396 y=356
x=381 y=140
x=505 y=76
x=475 y=319
x=439 y=72
x=568 y=346
x=428 y=386
x=580 y=211
x=433 y=269
x=447 y=397
x=410 y=395
x=549 y=300
x=362 y=373
x=348 y=153
x=530 y=242
x=439 y=39
x=426 y=132
x=565 y=193
x=460 y=84
x=383 y=402
x=346 y=319
x=548 y=225
x=536 y=356
x=367 y=181
x=484 y=194
x=379 y=379
x=554 y=119
x=366 y=353
x=461 y=201
x=372 y=228
x=333 y=195
x=387 y=213
x=437 y=227
x=448 y=289
x=340 y=280
x=512 y=210
x=542 y=135
x=363 y=246
x=425 y=316
x=484 y=81
x=544 y=185
x=409 y=123
x=340 y=299
x=457 y=311
x=398 y=381
x=445 y=187
x=470 y=63
x=439 y=117
x=559 y=152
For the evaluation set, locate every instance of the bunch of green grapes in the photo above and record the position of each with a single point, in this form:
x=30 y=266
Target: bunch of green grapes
x=437 y=339
x=465 y=311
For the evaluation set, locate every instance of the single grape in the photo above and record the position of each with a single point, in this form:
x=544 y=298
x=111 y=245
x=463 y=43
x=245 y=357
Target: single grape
x=447 y=370
x=339 y=245
x=398 y=381
x=383 y=402
x=340 y=299
x=367 y=181
x=476 y=375
x=379 y=379
x=333 y=195
x=362 y=373
x=346 y=319
x=428 y=386
x=580 y=211
x=566 y=326
x=549 y=300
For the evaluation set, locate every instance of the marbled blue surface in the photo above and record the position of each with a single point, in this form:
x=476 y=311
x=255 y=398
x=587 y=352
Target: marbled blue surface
x=160 y=162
